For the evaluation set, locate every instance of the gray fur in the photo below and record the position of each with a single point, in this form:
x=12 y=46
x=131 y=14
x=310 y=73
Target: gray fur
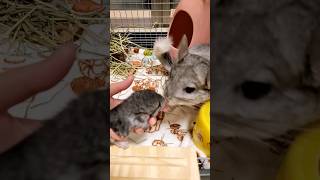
x=135 y=112
x=70 y=146
x=272 y=42
x=190 y=69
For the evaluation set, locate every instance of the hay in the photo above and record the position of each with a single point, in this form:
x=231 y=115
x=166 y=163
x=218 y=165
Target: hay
x=42 y=23
x=119 y=52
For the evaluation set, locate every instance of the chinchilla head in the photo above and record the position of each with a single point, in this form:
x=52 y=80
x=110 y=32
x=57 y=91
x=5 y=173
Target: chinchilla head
x=189 y=75
x=266 y=72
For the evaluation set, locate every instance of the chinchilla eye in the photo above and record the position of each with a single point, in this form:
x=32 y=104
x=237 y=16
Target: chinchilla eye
x=255 y=90
x=189 y=89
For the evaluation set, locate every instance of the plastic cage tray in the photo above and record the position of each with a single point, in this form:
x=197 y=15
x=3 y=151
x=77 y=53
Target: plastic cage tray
x=202 y=169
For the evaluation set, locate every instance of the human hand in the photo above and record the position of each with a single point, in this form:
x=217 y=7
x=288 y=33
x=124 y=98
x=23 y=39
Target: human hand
x=21 y=83
x=116 y=88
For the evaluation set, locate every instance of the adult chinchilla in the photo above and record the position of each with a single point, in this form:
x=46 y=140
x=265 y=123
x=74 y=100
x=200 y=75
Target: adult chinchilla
x=266 y=83
x=189 y=74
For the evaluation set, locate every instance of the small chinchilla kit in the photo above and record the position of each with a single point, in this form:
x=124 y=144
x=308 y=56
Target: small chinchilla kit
x=70 y=146
x=266 y=83
x=135 y=112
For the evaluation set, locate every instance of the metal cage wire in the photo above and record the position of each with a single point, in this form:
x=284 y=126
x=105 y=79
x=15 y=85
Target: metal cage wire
x=144 y=20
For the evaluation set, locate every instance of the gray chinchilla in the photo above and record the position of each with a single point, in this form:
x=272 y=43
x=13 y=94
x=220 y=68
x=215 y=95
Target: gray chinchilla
x=134 y=112
x=70 y=146
x=266 y=83
x=189 y=74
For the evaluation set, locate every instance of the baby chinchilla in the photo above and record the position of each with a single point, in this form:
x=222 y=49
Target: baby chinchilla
x=189 y=74
x=135 y=111
x=70 y=146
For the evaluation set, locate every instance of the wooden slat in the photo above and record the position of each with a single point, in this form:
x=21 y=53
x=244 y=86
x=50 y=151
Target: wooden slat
x=153 y=163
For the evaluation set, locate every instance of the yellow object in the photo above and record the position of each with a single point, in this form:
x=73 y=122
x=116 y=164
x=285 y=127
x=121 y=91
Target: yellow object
x=149 y=162
x=302 y=162
x=201 y=130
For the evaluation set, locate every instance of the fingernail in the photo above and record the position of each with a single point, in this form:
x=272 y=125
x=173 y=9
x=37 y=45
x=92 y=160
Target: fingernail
x=130 y=76
x=139 y=131
x=152 y=121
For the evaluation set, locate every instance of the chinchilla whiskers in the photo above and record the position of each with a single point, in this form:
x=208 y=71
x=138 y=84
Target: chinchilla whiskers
x=172 y=113
x=276 y=141
x=180 y=108
x=282 y=142
x=273 y=147
x=165 y=84
x=252 y=132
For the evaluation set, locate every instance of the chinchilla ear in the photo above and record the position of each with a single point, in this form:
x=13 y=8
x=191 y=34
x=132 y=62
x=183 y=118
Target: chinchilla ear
x=202 y=70
x=183 y=48
x=208 y=80
x=312 y=63
x=161 y=50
